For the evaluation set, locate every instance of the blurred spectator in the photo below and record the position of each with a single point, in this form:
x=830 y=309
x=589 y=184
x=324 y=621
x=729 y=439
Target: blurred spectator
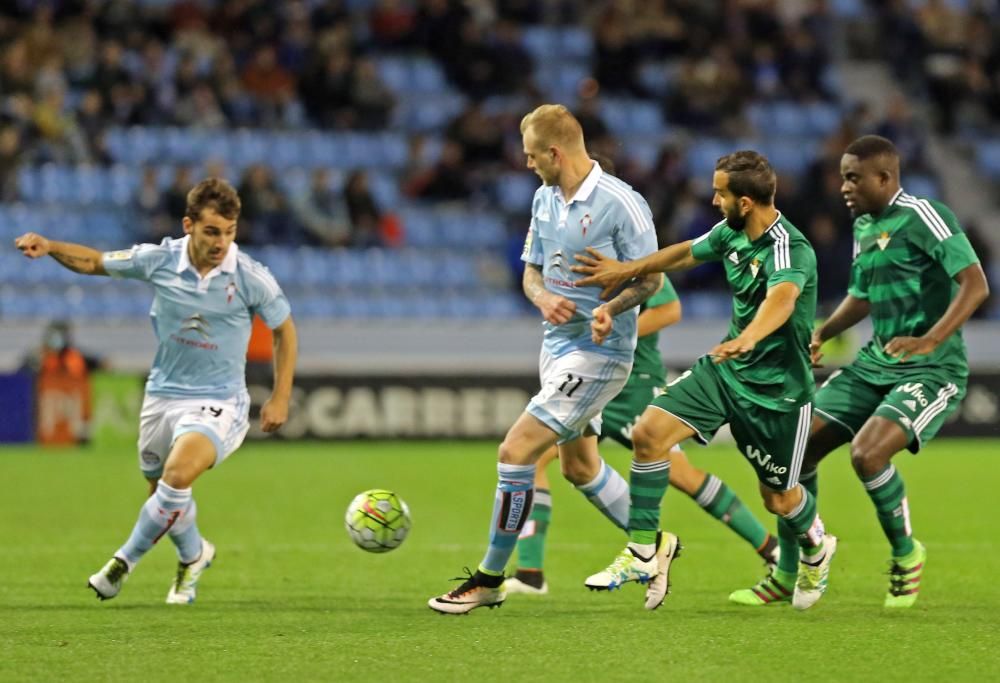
x=447 y=180
x=60 y=136
x=900 y=126
x=200 y=109
x=391 y=23
x=985 y=253
x=150 y=205
x=368 y=225
x=326 y=90
x=833 y=259
x=615 y=54
x=62 y=387
x=709 y=91
x=322 y=212
x=175 y=200
x=10 y=159
x=265 y=217
x=479 y=136
x=370 y=98
x=269 y=84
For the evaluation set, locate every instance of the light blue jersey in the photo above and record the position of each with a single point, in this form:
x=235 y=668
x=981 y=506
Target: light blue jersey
x=202 y=323
x=608 y=215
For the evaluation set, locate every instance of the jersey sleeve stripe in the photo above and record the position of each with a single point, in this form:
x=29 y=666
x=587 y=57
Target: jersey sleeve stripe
x=635 y=212
x=856 y=250
x=699 y=240
x=928 y=214
x=258 y=273
x=782 y=257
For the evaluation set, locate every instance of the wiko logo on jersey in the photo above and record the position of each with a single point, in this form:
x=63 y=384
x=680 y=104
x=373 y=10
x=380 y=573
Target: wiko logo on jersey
x=197 y=323
x=764 y=460
x=916 y=390
x=514 y=509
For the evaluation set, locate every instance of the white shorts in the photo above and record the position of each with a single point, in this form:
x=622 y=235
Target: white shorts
x=575 y=388
x=163 y=420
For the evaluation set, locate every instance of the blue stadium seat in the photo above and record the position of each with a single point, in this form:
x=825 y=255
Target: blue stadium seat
x=420 y=228
x=922 y=185
x=576 y=43
x=988 y=156
x=514 y=191
x=542 y=43
x=788 y=156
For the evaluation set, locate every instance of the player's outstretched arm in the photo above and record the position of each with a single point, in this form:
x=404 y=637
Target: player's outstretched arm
x=776 y=309
x=973 y=290
x=849 y=313
x=555 y=309
x=274 y=412
x=630 y=297
x=655 y=318
x=610 y=274
x=76 y=257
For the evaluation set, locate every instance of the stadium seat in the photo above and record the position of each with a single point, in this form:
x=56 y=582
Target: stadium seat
x=988 y=157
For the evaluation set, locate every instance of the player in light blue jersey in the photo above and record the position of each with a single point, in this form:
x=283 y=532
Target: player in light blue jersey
x=588 y=344
x=196 y=408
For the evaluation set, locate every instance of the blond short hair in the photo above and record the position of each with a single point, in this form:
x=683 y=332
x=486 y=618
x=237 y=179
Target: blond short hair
x=553 y=124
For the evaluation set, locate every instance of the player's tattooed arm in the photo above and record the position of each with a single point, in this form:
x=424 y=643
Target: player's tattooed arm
x=610 y=274
x=635 y=293
x=555 y=309
x=76 y=257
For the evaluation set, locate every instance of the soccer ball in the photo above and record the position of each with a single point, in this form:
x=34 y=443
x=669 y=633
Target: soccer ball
x=377 y=520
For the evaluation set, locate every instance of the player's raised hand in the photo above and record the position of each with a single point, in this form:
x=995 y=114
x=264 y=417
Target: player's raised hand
x=556 y=309
x=600 y=326
x=734 y=348
x=273 y=414
x=32 y=245
x=904 y=348
x=601 y=271
x=815 y=354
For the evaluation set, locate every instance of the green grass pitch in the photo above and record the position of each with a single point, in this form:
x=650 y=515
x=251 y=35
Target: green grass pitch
x=290 y=598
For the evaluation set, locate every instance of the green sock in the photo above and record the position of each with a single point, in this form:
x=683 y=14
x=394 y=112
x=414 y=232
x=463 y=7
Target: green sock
x=718 y=500
x=889 y=495
x=531 y=542
x=805 y=523
x=788 y=560
x=647 y=484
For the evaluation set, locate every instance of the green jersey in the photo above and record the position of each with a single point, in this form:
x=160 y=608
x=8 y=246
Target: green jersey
x=777 y=374
x=648 y=365
x=905 y=262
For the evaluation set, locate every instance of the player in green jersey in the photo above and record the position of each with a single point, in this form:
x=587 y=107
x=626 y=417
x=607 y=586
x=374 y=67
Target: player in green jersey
x=916 y=275
x=619 y=418
x=758 y=380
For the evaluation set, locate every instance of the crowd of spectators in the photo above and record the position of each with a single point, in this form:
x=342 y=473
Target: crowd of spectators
x=69 y=69
x=946 y=54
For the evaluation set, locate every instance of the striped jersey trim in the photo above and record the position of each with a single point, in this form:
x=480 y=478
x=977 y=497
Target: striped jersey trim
x=945 y=394
x=928 y=214
x=705 y=236
x=801 y=439
x=782 y=253
x=626 y=196
x=259 y=273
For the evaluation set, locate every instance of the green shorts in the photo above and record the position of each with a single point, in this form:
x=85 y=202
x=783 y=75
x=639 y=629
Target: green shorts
x=919 y=402
x=773 y=442
x=619 y=416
